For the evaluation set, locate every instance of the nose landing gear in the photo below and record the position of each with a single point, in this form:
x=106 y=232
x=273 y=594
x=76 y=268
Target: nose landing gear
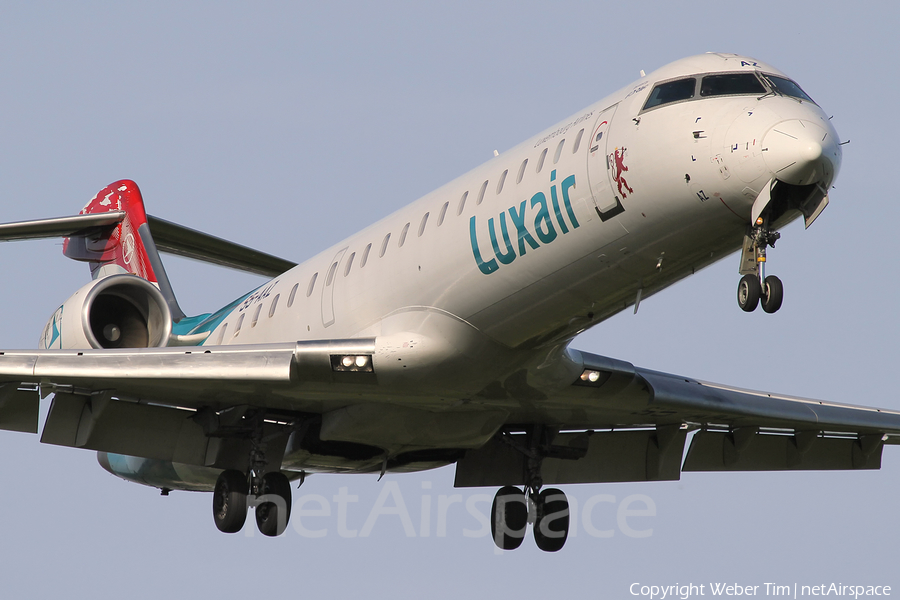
x=755 y=287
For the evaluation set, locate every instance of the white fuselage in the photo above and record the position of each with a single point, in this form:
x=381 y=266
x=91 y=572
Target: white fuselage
x=561 y=231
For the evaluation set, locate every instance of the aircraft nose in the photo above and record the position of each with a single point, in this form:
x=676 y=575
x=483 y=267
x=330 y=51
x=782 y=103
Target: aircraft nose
x=802 y=152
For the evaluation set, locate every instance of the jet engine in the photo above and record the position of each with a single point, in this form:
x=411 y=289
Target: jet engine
x=119 y=311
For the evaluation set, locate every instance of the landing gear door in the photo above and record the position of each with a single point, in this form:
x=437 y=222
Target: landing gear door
x=598 y=164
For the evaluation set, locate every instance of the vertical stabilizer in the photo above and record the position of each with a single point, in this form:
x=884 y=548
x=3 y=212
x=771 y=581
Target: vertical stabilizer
x=126 y=247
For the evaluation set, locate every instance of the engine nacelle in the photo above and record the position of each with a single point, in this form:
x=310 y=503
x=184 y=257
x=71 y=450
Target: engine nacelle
x=119 y=311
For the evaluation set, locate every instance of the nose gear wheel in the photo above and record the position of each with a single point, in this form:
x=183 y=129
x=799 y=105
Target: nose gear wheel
x=773 y=294
x=755 y=287
x=749 y=292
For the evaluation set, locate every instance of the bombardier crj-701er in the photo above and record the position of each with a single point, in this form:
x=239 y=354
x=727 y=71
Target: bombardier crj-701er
x=441 y=333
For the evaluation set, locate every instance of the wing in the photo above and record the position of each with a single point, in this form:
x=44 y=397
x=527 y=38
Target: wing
x=630 y=424
x=336 y=405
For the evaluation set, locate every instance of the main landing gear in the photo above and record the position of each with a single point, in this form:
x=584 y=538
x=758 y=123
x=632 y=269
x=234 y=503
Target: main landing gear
x=512 y=510
x=548 y=510
x=755 y=288
x=269 y=493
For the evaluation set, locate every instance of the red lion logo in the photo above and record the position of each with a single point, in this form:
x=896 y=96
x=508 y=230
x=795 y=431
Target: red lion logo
x=618 y=174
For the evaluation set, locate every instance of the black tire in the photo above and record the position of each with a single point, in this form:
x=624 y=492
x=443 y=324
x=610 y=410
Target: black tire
x=552 y=525
x=230 y=501
x=269 y=517
x=749 y=292
x=774 y=294
x=509 y=518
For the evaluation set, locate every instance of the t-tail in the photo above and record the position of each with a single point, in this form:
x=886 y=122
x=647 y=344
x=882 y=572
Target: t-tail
x=130 y=303
x=127 y=246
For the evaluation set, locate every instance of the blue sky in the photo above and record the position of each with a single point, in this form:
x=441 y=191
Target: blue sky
x=288 y=126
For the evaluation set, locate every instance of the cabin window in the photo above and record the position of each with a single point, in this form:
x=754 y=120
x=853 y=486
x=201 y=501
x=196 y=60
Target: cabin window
x=274 y=305
x=422 y=224
x=312 y=284
x=403 y=235
x=502 y=180
x=521 y=171
x=349 y=264
x=462 y=203
x=330 y=277
x=788 y=88
x=237 y=328
x=540 y=164
x=577 y=141
x=481 y=192
x=672 y=91
x=725 y=84
x=384 y=245
x=255 y=316
x=443 y=213
x=293 y=293
x=559 y=148
x=365 y=256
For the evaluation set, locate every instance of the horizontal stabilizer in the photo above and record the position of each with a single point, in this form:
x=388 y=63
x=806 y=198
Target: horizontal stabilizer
x=190 y=243
x=77 y=225
x=169 y=237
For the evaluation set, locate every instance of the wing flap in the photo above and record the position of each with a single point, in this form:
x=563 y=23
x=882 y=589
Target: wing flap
x=18 y=408
x=98 y=422
x=727 y=451
x=640 y=455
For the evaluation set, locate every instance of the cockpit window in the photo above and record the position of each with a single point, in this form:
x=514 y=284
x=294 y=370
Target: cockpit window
x=672 y=91
x=730 y=84
x=788 y=88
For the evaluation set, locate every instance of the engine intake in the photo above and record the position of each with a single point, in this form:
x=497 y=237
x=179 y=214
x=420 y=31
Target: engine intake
x=119 y=311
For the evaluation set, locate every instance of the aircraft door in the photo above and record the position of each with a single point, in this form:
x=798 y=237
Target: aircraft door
x=331 y=277
x=607 y=203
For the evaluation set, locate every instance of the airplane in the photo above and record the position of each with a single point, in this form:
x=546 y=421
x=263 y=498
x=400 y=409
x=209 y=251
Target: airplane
x=441 y=334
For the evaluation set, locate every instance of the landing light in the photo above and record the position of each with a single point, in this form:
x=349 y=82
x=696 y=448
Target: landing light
x=592 y=377
x=352 y=363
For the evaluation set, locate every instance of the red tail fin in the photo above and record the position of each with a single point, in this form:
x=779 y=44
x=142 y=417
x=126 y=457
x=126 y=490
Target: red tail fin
x=120 y=248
